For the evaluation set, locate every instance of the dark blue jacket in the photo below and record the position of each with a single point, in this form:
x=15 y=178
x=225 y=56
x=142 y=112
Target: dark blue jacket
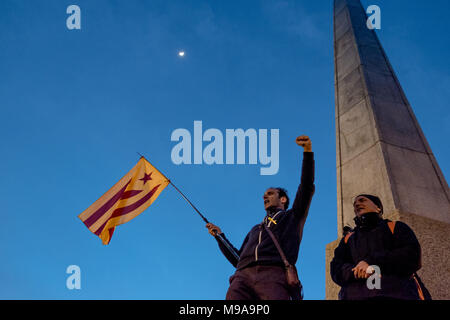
x=258 y=247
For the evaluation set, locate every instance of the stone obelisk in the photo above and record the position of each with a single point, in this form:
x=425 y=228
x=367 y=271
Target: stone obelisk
x=381 y=149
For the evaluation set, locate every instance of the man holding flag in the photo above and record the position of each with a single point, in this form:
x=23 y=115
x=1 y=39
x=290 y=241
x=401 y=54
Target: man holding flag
x=266 y=261
x=266 y=258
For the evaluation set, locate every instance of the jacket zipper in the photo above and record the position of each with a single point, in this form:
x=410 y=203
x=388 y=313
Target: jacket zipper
x=259 y=242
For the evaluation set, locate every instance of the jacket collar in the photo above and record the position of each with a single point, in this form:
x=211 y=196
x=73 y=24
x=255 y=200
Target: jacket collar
x=269 y=218
x=270 y=212
x=368 y=220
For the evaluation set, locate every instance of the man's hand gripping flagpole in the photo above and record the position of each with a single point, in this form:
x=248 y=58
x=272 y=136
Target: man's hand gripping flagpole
x=216 y=234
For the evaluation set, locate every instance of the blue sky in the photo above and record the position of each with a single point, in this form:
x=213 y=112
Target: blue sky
x=77 y=105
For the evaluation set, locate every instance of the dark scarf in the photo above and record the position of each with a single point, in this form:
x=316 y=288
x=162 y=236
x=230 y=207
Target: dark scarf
x=368 y=220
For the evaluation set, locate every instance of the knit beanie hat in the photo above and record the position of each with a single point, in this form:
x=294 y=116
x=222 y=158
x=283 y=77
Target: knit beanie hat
x=374 y=199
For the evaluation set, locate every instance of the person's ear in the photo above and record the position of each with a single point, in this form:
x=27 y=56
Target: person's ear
x=283 y=200
x=378 y=210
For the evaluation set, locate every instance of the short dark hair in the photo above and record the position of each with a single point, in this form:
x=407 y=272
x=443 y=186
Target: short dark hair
x=282 y=192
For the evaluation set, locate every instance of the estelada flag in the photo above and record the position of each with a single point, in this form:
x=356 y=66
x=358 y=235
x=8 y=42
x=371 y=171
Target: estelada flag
x=128 y=198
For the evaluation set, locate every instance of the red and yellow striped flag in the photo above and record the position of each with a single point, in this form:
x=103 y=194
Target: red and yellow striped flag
x=128 y=198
